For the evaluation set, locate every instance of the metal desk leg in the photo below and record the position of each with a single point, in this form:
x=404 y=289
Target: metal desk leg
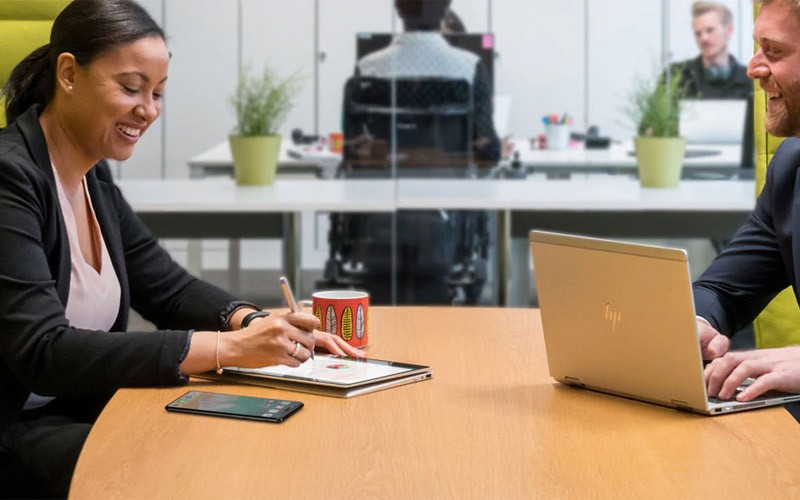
x=520 y=285
x=234 y=266
x=194 y=257
x=503 y=257
x=291 y=251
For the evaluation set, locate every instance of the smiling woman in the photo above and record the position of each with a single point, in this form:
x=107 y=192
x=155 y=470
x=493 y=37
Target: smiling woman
x=74 y=257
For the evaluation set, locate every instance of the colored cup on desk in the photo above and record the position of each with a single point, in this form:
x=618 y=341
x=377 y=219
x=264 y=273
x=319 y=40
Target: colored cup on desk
x=336 y=142
x=342 y=313
x=557 y=136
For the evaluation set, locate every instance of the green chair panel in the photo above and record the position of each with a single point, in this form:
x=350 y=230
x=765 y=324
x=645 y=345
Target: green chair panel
x=24 y=26
x=779 y=323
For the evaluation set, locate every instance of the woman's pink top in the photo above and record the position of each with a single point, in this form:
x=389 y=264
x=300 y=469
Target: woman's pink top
x=93 y=302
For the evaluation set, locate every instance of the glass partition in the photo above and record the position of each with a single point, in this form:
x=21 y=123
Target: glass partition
x=444 y=144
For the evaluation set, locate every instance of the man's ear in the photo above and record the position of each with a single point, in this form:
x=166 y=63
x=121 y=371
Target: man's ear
x=66 y=68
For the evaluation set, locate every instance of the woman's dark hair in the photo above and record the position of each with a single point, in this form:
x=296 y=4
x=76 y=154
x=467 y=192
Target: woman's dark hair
x=85 y=29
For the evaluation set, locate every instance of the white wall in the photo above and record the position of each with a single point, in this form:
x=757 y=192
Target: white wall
x=541 y=68
x=619 y=52
x=287 y=47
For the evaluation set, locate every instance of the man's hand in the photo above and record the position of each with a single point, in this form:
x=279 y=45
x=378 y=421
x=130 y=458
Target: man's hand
x=773 y=369
x=712 y=343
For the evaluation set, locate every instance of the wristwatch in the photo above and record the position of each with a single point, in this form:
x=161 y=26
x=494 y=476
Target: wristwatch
x=253 y=315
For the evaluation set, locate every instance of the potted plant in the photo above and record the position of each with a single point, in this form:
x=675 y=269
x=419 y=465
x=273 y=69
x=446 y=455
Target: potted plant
x=261 y=103
x=655 y=110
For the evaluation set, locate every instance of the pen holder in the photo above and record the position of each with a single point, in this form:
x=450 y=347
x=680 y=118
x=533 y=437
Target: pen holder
x=342 y=313
x=557 y=136
x=336 y=143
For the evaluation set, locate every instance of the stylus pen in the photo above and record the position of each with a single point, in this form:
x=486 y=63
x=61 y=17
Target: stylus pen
x=289 y=296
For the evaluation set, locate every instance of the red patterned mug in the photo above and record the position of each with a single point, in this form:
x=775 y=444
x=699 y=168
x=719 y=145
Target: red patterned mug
x=342 y=313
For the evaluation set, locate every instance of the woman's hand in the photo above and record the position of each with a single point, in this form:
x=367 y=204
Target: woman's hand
x=279 y=339
x=336 y=345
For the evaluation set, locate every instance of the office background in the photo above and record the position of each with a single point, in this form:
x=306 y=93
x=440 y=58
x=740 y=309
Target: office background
x=572 y=56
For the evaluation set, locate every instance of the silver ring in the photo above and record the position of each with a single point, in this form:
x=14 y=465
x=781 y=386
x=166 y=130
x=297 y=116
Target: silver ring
x=296 y=350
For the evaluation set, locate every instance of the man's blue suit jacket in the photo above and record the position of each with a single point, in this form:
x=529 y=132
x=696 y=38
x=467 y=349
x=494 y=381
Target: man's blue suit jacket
x=764 y=254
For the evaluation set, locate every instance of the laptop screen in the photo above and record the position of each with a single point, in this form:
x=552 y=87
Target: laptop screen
x=713 y=121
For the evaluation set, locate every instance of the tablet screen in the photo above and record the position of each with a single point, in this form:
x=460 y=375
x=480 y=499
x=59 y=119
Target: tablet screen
x=335 y=370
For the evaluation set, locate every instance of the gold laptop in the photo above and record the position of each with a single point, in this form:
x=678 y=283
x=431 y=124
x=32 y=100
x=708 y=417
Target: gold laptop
x=619 y=318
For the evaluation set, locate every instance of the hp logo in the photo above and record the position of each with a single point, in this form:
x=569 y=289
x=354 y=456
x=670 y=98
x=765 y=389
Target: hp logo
x=615 y=317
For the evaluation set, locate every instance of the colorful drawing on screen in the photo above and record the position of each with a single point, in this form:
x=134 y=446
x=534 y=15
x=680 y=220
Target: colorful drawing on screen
x=337 y=366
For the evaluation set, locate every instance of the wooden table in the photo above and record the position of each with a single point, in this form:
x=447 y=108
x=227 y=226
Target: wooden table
x=490 y=424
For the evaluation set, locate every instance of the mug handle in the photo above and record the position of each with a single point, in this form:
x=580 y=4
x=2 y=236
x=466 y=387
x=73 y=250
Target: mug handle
x=305 y=303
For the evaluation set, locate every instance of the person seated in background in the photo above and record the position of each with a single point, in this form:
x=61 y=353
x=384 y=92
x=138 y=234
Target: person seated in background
x=419 y=256
x=421 y=51
x=74 y=257
x=715 y=73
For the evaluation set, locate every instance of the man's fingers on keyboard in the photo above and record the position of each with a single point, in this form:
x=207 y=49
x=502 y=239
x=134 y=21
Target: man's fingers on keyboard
x=764 y=383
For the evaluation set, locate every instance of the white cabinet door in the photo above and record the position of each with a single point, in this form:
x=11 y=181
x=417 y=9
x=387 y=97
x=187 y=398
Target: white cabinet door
x=624 y=43
x=203 y=38
x=339 y=22
x=540 y=63
x=281 y=34
x=743 y=31
x=147 y=161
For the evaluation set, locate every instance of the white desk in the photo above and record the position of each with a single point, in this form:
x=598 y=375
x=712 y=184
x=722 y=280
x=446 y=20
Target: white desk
x=218 y=161
x=603 y=206
x=217 y=208
x=617 y=159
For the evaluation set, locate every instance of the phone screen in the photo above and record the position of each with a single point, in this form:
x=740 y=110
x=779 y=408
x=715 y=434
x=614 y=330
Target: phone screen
x=231 y=405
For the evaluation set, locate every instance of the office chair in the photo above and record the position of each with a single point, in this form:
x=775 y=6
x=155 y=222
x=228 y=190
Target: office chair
x=408 y=128
x=427 y=121
x=24 y=26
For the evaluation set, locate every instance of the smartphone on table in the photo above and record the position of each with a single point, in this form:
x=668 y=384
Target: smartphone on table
x=230 y=405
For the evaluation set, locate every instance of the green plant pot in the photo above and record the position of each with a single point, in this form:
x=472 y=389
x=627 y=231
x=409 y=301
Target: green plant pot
x=255 y=159
x=660 y=160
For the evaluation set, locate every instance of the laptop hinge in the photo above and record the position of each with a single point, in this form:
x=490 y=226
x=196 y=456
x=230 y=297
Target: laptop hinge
x=573 y=381
x=681 y=405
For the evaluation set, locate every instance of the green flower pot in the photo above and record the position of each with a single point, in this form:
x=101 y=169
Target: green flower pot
x=660 y=160
x=255 y=159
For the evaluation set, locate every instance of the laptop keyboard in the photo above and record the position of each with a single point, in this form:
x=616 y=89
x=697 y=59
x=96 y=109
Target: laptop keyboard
x=766 y=396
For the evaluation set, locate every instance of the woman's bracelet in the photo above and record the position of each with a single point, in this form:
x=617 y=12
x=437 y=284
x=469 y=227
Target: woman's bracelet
x=219 y=368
